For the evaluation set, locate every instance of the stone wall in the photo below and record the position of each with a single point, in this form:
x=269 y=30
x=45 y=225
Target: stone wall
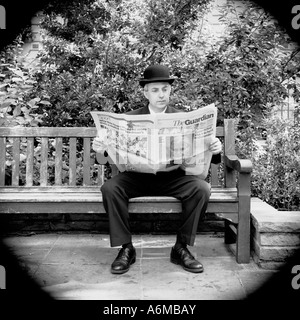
x=275 y=235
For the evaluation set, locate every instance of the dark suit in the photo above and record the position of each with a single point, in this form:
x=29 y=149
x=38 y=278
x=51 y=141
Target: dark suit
x=193 y=192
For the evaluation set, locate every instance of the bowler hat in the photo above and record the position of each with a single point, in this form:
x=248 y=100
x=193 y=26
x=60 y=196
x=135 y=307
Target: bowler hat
x=156 y=73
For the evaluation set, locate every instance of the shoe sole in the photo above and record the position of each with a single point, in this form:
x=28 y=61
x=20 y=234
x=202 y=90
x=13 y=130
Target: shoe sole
x=125 y=270
x=185 y=268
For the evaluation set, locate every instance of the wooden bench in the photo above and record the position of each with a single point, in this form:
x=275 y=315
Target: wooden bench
x=28 y=155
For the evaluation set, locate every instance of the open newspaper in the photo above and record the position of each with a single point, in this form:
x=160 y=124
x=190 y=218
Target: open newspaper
x=151 y=143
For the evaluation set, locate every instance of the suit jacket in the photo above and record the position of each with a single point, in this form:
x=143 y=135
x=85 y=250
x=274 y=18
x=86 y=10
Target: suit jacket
x=145 y=110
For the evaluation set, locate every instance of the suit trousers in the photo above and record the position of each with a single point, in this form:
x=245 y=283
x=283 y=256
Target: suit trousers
x=192 y=191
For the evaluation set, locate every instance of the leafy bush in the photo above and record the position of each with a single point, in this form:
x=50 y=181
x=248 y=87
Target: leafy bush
x=94 y=56
x=17 y=104
x=276 y=167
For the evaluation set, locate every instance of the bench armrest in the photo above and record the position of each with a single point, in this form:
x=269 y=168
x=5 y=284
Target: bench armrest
x=240 y=165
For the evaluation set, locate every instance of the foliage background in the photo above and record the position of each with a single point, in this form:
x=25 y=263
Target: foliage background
x=94 y=51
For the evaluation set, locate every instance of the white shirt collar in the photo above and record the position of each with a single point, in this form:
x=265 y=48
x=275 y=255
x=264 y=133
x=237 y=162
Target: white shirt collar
x=152 y=112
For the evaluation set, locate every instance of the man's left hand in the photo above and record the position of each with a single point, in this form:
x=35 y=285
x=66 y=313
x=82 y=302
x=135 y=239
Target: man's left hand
x=215 y=146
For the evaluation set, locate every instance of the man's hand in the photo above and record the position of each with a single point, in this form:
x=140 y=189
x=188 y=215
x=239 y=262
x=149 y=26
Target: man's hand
x=98 y=143
x=215 y=146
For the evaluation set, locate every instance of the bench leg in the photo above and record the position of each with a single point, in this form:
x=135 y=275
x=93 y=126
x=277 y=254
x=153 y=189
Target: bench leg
x=243 y=228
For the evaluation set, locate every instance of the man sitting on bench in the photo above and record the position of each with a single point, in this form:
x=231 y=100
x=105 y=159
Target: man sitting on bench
x=193 y=191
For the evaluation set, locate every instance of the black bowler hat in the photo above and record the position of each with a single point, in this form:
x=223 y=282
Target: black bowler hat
x=156 y=73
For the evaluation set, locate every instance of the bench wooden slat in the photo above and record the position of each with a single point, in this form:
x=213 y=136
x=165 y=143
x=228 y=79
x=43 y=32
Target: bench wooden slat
x=44 y=162
x=16 y=162
x=97 y=198
x=2 y=160
x=95 y=195
x=48 y=132
x=214 y=174
x=72 y=161
x=97 y=207
x=100 y=178
x=60 y=132
x=220 y=131
x=81 y=189
x=175 y=207
x=86 y=161
x=58 y=161
x=89 y=199
x=229 y=148
x=29 y=161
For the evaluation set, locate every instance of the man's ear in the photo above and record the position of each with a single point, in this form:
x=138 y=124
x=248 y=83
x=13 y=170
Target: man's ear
x=145 y=94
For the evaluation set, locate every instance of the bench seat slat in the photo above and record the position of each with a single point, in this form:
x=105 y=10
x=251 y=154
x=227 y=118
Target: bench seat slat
x=96 y=197
x=97 y=207
x=78 y=189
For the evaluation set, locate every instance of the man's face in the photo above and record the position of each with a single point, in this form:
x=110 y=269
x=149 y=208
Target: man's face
x=158 y=95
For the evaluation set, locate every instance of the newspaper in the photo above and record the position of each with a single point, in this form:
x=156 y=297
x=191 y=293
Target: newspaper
x=159 y=142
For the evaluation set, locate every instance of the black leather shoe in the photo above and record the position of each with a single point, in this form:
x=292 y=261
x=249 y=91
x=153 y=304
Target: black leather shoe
x=182 y=256
x=124 y=259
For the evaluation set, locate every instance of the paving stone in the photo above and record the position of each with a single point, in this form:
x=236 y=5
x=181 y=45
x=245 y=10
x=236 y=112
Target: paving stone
x=34 y=240
x=74 y=290
x=254 y=280
x=210 y=284
x=52 y=274
x=79 y=240
x=77 y=266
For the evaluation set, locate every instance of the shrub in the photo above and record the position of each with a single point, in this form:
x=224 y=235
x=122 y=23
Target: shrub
x=276 y=168
x=17 y=104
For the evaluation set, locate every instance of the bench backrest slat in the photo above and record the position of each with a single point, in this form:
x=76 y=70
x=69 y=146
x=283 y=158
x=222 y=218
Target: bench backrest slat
x=72 y=161
x=229 y=149
x=101 y=173
x=2 y=160
x=58 y=161
x=214 y=175
x=29 y=162
x=220 y=131
x=67 y=132
x=16 y=162
x=86 y=161
x=44 y=162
